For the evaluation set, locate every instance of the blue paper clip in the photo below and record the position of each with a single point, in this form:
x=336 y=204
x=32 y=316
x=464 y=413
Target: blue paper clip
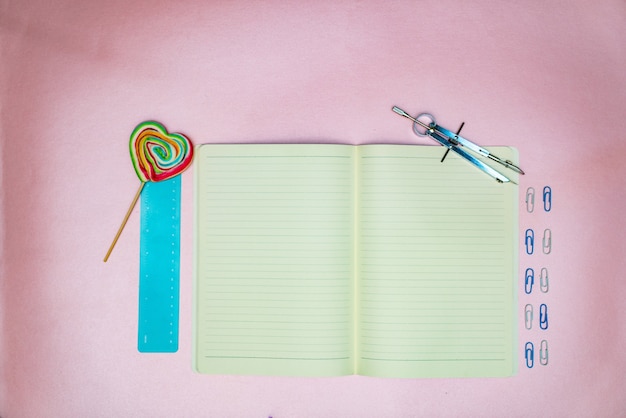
x=530 y=199
x=543 y=353
x=543 y=280
x=529 y=354
x=547 y=241
x=543 y=316
x=530 y=241
x=528 y=316
x=547 y=198
x=529 y=280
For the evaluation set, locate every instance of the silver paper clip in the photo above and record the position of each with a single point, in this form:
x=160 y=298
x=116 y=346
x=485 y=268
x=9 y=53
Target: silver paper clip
x=547 y=241
x=543 y=280
x=452 y=141
x=530 y=199
x=528 y=316
x=529 y=280
x=529 y=354
x=543 y=353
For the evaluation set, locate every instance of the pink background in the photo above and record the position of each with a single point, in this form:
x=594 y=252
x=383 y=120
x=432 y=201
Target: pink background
x=77 y=76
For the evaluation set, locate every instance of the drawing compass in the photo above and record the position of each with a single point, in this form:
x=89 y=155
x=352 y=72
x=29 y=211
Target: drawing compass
x=454 y=142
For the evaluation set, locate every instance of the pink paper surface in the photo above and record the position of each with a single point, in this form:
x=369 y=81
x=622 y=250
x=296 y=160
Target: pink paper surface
x=76 y=77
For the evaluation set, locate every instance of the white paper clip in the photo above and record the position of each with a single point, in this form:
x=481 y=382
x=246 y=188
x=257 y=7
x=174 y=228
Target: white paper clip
x=528 y=316
x=530 y=199
x=543 y=280
x=547 y=241
x=543 y=353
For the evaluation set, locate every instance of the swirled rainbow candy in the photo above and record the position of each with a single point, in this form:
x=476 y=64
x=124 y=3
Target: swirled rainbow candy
x=158 y=155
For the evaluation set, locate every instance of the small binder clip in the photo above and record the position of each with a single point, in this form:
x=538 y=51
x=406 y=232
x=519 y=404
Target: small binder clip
x=530 y=199
x=528 y=316
x=543 y=353
x=543 y=280
x=529 y=280
x=543 y=316
x=547 y=241
x=547 y=198
x=529 y=354
x=529 y=241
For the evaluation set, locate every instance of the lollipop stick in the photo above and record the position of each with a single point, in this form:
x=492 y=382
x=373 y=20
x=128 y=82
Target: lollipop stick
x=119 y=231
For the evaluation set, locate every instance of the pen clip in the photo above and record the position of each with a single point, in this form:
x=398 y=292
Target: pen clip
x=529 y=354
x=543 y=316
x=530 y=199
x=529 y=280
x=528 y=316
x=543 y=280
x=529 y=241
x=547 y=241
x=543 y=353
x=547 y=198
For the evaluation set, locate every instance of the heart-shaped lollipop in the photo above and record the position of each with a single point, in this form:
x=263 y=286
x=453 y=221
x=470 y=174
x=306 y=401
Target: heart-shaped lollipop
x=156 y=155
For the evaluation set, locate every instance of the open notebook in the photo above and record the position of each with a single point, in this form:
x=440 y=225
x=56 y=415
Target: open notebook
x=325 y=260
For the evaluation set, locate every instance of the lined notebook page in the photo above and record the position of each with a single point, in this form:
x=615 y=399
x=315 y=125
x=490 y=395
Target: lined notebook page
x=437 y=265
x=274 y=259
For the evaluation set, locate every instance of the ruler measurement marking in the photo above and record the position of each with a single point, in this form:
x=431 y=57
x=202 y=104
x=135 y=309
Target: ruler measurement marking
x=159 y=266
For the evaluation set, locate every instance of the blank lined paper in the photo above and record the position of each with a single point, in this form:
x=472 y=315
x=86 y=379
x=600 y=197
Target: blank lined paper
x=327 y=260
x=436 y=249
x=274 y=259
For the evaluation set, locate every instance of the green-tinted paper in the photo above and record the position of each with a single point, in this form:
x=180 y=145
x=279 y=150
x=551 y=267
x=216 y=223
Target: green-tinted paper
x=437 y=246
x=274 y=259
x=321 y=260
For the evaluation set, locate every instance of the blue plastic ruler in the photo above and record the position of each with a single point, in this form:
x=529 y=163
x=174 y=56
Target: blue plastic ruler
x=159 y=267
